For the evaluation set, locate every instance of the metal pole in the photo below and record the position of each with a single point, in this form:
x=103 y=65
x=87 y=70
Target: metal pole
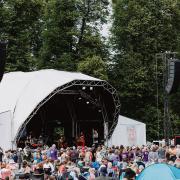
x=72 y=114
x=106 y=133
x=165 y=99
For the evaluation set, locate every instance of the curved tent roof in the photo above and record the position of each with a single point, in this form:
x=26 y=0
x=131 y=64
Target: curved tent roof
x=160 y=172
x=21 y=92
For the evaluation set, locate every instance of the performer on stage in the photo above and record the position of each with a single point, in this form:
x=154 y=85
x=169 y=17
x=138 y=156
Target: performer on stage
x=61 y=142
x=95 y=137
x=81 y=140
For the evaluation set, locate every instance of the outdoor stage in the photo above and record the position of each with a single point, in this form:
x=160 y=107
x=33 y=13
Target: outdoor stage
x=50 y=103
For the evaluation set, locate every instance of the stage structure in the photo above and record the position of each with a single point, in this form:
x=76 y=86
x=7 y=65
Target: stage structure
x=50 y=102
x=171 y=81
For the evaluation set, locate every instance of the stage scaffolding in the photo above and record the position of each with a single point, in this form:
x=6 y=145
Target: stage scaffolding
x=99 y=103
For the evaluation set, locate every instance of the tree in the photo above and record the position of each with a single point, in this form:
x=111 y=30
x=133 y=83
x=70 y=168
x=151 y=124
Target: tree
x=92 y=15
x=94 y=66
x=52 y=33
x=59 y=35
x=140 y=30
x=21 y=22
x=71 y=33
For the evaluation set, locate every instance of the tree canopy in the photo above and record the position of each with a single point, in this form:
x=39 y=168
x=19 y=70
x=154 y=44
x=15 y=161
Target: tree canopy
x=140 y=30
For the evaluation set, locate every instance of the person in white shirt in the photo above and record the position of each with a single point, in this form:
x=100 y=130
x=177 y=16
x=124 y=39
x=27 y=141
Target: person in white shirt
x=48 y=168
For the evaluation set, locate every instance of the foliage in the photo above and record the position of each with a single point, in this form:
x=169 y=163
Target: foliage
x=59 y=35
x=52 y=33
x=21 y=30
x=140 y=30
x=94 y=66
x=71 y=33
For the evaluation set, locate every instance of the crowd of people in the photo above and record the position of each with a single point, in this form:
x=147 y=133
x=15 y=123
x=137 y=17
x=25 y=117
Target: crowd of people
x=84 y=163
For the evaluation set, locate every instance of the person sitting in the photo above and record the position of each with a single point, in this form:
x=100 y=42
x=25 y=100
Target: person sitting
x=92 y=174
x=38 y=172
x=25 y=171
x=177 y=161
x=172 y=152
x=37 y=157
x=110 y=170
x=63 y=174
x=5 y=172
x=48 y=168
x=139 y=161
x=103 y=174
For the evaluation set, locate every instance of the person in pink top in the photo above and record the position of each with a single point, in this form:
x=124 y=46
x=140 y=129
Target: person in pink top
x=5 y=172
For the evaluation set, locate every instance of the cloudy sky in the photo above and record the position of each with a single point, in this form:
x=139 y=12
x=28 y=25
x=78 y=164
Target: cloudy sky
x=106 y=27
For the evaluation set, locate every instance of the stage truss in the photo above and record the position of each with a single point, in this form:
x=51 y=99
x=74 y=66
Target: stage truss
x=86 y=83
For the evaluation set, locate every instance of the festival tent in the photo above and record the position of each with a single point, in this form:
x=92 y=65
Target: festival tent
x=22 y=94
x=128 y=132
x=160 y=172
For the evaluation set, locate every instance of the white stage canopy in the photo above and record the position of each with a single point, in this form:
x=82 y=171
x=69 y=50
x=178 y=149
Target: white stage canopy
x=128 y=132
x=21 y=92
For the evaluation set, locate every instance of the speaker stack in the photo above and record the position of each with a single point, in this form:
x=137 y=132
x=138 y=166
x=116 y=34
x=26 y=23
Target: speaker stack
x=2 y=58
x=173 y=80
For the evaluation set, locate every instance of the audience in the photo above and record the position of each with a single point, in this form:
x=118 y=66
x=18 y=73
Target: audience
x=86 y=163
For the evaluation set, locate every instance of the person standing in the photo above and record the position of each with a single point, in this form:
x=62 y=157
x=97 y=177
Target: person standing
x=161 y=153
x=19 y=157
x=53 y=152
x=153 y=155
x=82 y=139
x=95 y=137
x=145 y=154
x=1 y=155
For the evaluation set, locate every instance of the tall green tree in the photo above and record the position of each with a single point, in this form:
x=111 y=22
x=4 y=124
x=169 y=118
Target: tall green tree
x=92 y=15
x=59 y=34
x=140 y=30
x=72 y=33
x=21 y=28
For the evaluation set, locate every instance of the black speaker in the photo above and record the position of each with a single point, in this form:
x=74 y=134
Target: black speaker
x=173 y=80
x=177 y=140
x=2 y=58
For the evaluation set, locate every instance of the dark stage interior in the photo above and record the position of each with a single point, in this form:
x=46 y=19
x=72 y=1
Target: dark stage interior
x=74 y=110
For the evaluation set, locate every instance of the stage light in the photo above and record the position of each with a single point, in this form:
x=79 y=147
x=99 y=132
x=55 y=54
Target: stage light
x=79 y=98
x=91 y=88
x=99 y=110
x=87 y=102
x=83 y=88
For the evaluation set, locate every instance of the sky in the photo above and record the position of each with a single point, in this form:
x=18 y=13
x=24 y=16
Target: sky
x=106 y=27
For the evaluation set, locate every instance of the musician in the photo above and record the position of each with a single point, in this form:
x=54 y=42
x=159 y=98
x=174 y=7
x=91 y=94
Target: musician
x=81 y=140
x=61 y=142
x=40 y=140
x=95 y=137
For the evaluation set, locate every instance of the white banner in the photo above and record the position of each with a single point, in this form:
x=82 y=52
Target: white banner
x=132 y=135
